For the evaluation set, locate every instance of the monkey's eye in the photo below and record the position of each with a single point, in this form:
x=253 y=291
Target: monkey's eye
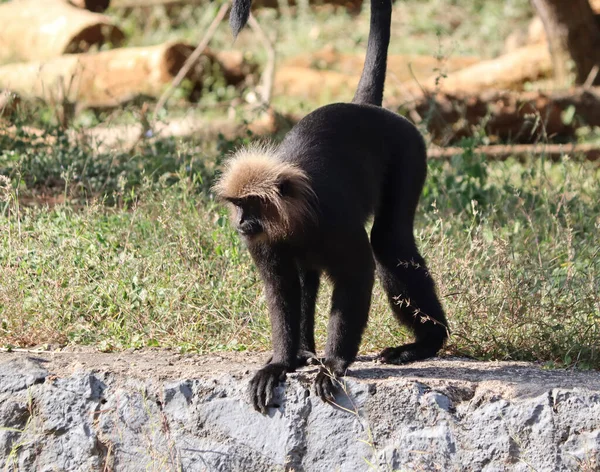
x=253 y=206
x=285 y=188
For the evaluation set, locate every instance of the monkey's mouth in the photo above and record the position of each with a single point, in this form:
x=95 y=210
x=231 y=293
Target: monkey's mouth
x=254 y=236
x=250 y=232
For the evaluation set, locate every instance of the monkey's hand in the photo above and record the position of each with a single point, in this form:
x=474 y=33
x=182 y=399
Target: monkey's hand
x=328 y=380
x=263 y=383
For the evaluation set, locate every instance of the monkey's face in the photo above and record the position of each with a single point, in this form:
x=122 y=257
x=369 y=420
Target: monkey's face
x=247 y=215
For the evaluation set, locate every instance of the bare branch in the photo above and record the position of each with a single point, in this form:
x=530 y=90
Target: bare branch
x=192 y=59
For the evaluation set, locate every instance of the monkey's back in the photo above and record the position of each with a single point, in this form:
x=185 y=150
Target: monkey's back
x=351 y=154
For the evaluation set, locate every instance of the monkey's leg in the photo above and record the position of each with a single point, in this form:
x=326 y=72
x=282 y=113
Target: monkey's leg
x=309 y=286
x=309 y=283
x=352 y=279
x=411 y=293
x=282 y=288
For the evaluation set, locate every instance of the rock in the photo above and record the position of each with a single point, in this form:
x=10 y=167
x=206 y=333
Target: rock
x=97 y=412
x=18 y=374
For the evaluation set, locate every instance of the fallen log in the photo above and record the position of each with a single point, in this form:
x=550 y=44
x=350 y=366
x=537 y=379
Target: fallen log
x=309 y=75
x=400 y=67
x=352 y=5
x=104 y=138
x=518 y=117
x=106 y=79
x=31 y=31
x=97 y=6
x=236 y=69
x=553 y=152
x=314 y=84
x=509 y=71
x=124 y=137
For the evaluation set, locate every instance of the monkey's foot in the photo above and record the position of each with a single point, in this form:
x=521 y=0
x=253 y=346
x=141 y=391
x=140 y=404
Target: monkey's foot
x=263 y=383
x=327 y=381
x=407 y=353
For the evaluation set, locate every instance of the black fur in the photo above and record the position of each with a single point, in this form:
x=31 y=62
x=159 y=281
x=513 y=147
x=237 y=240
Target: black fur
x=362 y=161
x=238 y=17
x=372 y=79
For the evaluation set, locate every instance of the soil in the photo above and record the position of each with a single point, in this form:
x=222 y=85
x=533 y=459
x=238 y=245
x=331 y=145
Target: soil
x=512 y=379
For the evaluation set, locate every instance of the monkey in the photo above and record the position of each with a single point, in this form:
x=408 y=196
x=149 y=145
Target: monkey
x=302 y=208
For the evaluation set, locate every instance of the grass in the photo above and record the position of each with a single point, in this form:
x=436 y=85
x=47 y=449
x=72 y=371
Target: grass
x=136 y=253
x=125 y=250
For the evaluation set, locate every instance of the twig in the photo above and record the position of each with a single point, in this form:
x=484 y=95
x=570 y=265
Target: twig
x=269 y=72
x=591 y=77
x=191 y=60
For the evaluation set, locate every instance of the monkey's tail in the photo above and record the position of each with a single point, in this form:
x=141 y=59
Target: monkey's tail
x=370 y=87
x=238 y=17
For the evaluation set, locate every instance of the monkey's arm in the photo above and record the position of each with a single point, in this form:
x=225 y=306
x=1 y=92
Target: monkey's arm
x=282 y=288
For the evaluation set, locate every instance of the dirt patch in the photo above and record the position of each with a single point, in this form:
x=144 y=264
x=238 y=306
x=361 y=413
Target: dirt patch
x=513 y=379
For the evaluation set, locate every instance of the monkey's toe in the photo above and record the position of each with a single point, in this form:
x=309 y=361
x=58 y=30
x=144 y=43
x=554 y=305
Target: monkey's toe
x=263 y=383
x=326 y=385
x=407 y=353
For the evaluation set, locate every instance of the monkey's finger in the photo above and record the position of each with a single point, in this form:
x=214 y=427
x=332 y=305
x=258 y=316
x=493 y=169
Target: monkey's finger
x=327 y=387
x=253 y=394
x=271 y=384
x=257 y=392
x=317 y=387
x=262 y=391
x=258 y=401
x=329 y=391
x=259 y=396
x=320 y=390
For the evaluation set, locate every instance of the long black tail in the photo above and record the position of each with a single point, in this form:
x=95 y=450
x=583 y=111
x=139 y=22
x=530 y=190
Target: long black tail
x=370 y=87
x=238 y=17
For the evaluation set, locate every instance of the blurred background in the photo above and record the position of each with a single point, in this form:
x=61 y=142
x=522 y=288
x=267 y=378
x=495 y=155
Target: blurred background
x=455 y=68
x=115 y=117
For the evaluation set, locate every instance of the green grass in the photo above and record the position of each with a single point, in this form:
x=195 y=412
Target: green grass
x=140 y=255
x=120 y=250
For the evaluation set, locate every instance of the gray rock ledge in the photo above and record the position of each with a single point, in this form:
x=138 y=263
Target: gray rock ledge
x=161 y=411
